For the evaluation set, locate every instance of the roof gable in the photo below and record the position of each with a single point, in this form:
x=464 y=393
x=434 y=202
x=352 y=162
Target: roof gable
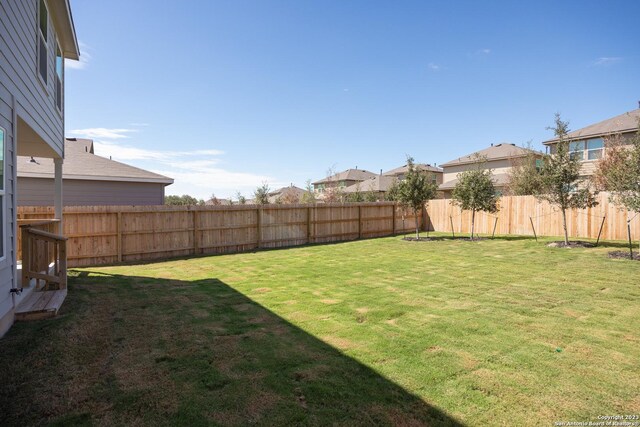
x=494 y=152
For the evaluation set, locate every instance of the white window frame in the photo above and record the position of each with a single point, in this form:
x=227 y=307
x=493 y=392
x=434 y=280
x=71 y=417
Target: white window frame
x=40 y=38
x=3 y=198
x=589 y=150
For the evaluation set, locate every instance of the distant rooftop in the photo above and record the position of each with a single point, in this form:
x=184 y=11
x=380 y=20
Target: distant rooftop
x=495 y=152
x=627 y=122
x=499 y=180
x=80 y=162
x=379 y=183
x=404 y=169
x=347 y=175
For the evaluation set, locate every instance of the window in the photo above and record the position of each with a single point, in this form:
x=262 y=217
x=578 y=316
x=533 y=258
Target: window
x=576 y=150
x=539 y=165
x=59 y=76
x=43 y=31
x=595 y=148
x=2 y=215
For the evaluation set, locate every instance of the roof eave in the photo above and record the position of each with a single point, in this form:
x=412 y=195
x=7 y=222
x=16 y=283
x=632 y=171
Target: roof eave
x=63 y=22
x=591 y=135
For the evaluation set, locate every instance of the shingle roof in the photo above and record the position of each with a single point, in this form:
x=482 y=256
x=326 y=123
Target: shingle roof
x=292 y=190
x=377 y=183
x=627 y=122
x=495 y=152
x=404 y=169
x=499 y=180
x=348 y=175
x=81 y=163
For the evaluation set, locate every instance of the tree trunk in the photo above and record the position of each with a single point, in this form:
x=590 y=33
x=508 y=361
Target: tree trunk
x=473 y=222
x=564 y=225
x=415 y=212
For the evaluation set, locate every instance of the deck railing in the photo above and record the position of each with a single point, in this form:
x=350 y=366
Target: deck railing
x=44 y=254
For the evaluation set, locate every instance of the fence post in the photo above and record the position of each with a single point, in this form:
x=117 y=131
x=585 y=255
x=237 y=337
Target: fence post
x=359 y=222
x=393 y=215
x=195 y=232
x=119 y=235
x=309 y=224
x=259 y=236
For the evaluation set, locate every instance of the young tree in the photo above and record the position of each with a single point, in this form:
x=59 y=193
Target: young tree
x=241 y=199
x=183 y=200
x=355 y=197
x=289 y=197
x=524 y=176
x=619 y=171
x=475 y=192
x=261 y=194
x=370 y=196
x=416 y=190
x=308 y=196
x=561 y=183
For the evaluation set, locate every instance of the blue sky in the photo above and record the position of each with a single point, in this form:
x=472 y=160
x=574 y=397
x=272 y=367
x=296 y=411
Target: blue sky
x=223 y=95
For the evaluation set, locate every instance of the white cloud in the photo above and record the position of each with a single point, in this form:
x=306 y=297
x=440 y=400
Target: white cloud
x=195 y=172
x=607 y=60
x=85 y=58
x=434 y=67
x=101 y=133
x=484 y=51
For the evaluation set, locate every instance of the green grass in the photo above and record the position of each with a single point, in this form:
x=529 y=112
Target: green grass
x=374 y=332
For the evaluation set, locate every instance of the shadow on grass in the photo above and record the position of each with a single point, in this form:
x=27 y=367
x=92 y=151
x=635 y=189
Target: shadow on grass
x=143 y=350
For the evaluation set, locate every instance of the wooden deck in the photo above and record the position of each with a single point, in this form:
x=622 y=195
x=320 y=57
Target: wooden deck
x=41 y=305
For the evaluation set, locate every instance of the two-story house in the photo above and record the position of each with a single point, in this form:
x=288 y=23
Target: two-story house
x=588 y=143
x=500 y=158
x=341 y=180
x=35 y=38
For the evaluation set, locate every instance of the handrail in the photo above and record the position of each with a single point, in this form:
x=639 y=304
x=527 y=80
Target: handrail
x=42 y=250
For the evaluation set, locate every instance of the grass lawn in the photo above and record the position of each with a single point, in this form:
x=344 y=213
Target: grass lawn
x=496 y=332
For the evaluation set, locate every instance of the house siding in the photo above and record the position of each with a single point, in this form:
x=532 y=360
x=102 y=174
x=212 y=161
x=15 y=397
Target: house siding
x=18 y=70
x=22 y=96
x=7 y=263
x=39 y=192
x=498 y=166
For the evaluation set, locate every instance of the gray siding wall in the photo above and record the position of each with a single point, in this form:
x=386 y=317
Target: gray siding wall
x=19 y=65
x=23 y=94
x=39 y=192
x=7 y=262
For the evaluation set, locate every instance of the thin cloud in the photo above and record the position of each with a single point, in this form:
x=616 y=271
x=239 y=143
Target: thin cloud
x=99 y=133
x=85 y=58
x=484 y=51
x=125 y=152
x=434 y=67
x=605 y=61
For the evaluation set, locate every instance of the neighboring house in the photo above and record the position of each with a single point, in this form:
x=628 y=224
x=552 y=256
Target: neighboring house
x=400 y=172
x=88 y=180
x=501 y=158
x=379 y=185
x=588 y=143
x=35 y=38
x=342 y=180
x=290 y=194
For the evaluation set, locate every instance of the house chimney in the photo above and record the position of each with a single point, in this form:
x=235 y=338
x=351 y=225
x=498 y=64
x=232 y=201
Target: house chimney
x=492 y=144
x=380 y=172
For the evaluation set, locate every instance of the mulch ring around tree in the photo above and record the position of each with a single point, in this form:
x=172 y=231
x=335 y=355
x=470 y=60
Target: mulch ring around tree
x=421 y=239
x=624 y=255
x=572 y=244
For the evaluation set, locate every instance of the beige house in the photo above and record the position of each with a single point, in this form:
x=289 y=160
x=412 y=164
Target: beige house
x=341 y=180
x=290 y=194
x=500 y=158
x=88 y=179
x=400 y=172
x=379 y=185
x=588 y=143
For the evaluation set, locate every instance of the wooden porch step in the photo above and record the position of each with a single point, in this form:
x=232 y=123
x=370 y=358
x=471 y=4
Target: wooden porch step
x=41 y=305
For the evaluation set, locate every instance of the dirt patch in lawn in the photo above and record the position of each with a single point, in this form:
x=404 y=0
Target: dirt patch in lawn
x=573 y=244
x=624 y=255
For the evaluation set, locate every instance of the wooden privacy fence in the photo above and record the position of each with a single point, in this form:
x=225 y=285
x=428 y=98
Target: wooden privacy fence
x=518 y=214
x=99 y=235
